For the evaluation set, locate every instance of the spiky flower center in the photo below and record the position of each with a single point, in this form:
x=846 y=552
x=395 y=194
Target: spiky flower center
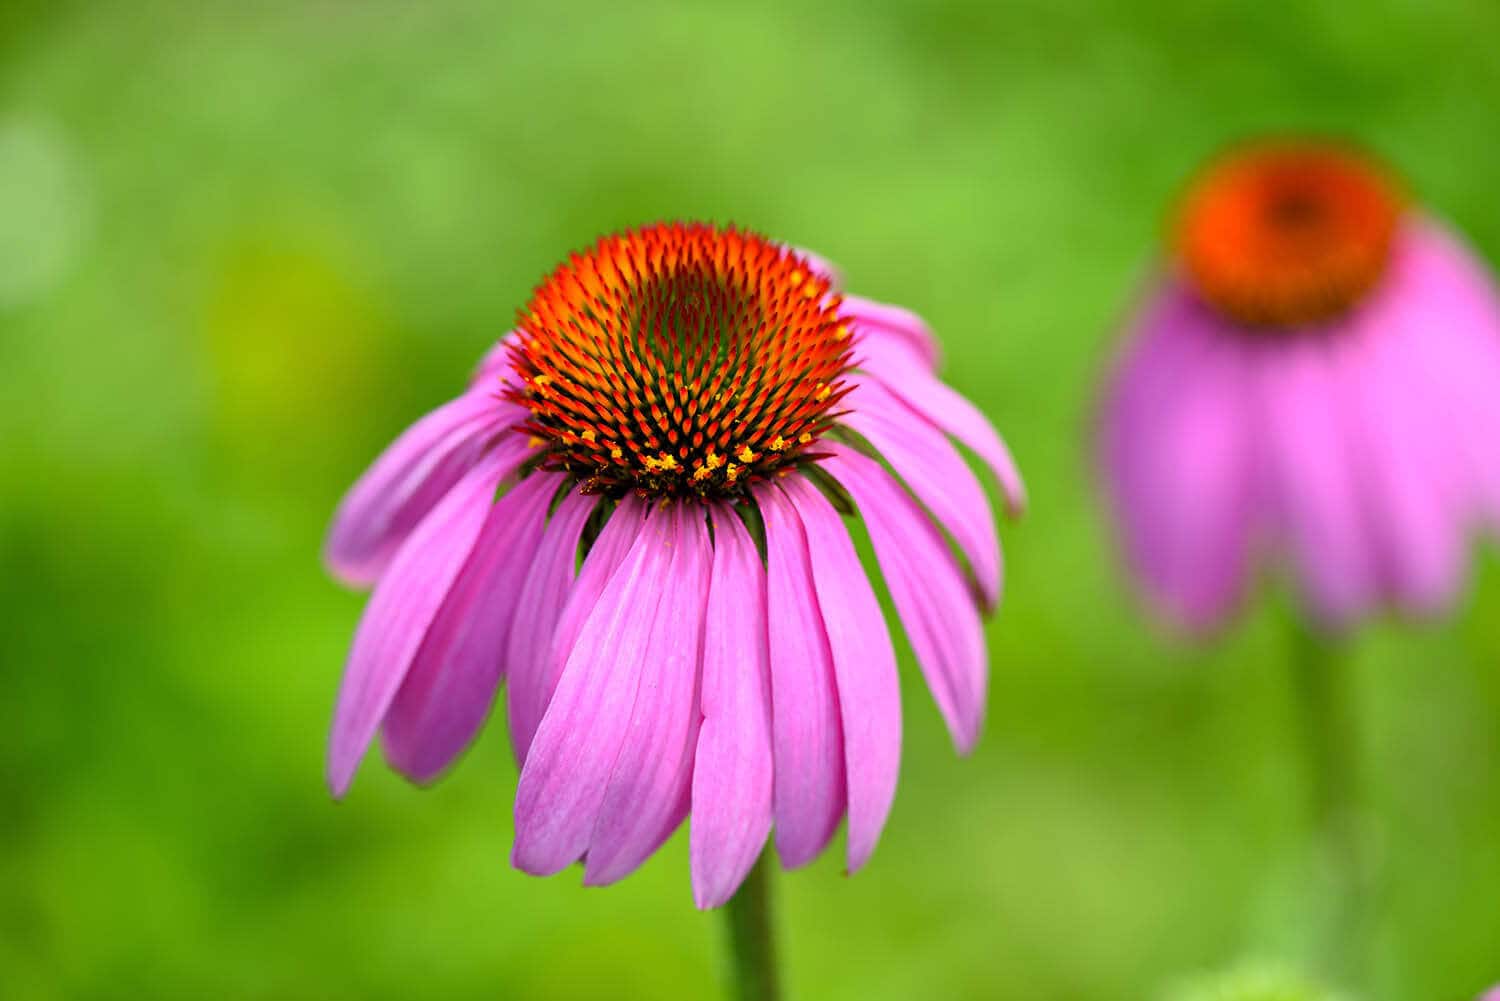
x=1289 y=234
x=680 y=360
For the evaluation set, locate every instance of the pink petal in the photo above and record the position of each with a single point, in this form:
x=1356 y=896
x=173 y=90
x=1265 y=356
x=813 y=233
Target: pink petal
x=1410 y=472
x=1177 y=443
x=902 y=371
x=568 y=766
x=409 y=477
x=864 y=667
x=1445 y=312
x=1315 y=494
x=403 y=606
x=936 y=473
x=732 y=773
x=809 y=782
x=648 y=790
x=532 y=690
x=451 y=683
x=495 y=365
x=604 y=558
x=928 y=588
x=539 y=605
x=879 y=322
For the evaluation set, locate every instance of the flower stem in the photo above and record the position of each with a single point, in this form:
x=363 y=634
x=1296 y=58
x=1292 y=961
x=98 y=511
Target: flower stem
x=752 y=941
x=1330 y=741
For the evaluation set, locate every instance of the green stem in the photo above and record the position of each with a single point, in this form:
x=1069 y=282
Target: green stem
x=1330 y=741
x=752 y=941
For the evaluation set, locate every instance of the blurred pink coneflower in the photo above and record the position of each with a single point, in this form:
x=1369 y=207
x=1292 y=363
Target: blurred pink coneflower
x=1315 y=378
x=635 y=517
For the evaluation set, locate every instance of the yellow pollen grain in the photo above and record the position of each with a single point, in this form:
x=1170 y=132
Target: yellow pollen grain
x=714 y=460
x=804 y=438
x=824 y=391
x=702 y=473
x=778 y=444
x=732 y=472
x=797 y=277
x=665 y=462
x=536 y=441
x=616 y=453
x=744 y=454
x=588 y=435
x=842 y=333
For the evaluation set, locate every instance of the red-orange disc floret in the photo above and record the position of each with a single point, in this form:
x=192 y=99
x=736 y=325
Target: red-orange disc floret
x=1288 y=234
x=680 y=360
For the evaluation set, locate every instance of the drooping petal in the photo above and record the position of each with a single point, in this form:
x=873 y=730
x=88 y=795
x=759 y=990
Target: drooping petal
x=1444 y=311
x=570 y=760
x=900 y=369
x=409 y=477
x=649 y=787
x=531 y=690
x=530 y=678
x=402 y=608
x=1410 y=472
x=732 y=771
x=807 y=736
x=864 y=666
x=1177 y=449
x=928 y=588
x=936 y=473
x=880 y=322
x=1315 y=499
x=452 y=680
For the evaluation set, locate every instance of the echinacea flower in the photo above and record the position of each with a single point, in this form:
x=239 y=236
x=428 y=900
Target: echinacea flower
x=1314 y=379
x=635 y=517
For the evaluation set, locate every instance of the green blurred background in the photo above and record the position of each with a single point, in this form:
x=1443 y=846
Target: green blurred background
x=242 y=245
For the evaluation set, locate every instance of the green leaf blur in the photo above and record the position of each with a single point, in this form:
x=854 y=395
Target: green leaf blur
x=242 y=245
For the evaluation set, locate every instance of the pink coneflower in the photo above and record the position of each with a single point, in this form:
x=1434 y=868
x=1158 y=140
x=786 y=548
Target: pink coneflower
x=635 y=515
x=1315 y=377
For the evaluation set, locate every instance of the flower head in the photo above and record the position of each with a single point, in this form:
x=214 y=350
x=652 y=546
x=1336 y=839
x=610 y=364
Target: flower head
x=636 y=517
x=1286 y=235
x=681 y=361
x=1314 y=378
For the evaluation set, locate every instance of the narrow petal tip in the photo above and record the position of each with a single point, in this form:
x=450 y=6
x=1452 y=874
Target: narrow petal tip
x=533 y=862
x=715 y=889
x=338 y=777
